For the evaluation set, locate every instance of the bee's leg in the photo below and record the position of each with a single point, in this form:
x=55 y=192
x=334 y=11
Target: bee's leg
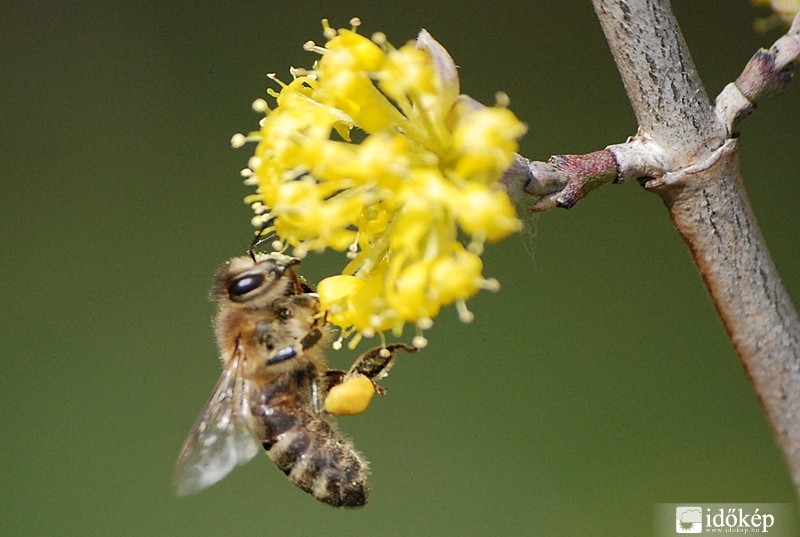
x=287 y=353
x=329 y=379
x=306 y=300
x=322 y=385
x=376 y=363
x=373 y=364
x=299 y=285
x=349 y=393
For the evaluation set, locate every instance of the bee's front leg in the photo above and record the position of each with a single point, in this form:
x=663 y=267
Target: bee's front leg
x=306 y=300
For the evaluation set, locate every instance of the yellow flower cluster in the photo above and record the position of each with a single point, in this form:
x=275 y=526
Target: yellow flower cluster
x=411 y=201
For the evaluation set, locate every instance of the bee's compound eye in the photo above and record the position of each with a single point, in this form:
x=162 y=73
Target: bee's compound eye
x=245 y=284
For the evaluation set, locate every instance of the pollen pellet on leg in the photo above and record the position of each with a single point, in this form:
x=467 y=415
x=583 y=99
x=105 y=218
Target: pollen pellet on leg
x=353 y=396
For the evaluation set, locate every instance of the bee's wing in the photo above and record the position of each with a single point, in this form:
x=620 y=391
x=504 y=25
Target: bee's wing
x=221 y=438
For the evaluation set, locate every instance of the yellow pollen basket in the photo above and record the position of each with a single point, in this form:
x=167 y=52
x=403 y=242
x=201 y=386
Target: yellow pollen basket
x=351 y=397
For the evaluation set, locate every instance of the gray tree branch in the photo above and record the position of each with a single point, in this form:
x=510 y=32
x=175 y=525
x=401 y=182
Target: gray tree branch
x=685 y=152
x=702 y=188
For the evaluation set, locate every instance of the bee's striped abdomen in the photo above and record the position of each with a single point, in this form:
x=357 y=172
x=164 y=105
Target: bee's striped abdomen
x=308 y=448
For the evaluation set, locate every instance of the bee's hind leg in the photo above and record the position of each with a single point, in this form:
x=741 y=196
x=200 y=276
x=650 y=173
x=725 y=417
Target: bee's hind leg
x=373 y=364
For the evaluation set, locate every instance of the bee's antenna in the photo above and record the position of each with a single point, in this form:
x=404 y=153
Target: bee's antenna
x=258 y=240
x=266 y=233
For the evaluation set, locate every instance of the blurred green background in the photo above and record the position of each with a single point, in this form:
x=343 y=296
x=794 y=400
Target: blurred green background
x=597 y=383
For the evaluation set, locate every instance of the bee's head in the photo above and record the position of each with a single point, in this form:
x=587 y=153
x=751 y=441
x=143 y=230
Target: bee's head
x=242 y=280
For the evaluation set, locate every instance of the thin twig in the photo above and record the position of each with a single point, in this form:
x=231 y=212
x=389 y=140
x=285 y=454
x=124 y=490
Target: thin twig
x=564 y=180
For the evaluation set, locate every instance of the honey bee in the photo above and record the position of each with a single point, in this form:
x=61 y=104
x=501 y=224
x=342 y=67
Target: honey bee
x=273 y=387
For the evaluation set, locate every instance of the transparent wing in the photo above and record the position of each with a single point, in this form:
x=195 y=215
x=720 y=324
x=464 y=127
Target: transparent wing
x=221 y=438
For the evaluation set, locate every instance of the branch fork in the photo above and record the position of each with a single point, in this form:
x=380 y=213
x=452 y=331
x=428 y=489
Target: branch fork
x=564 y=180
